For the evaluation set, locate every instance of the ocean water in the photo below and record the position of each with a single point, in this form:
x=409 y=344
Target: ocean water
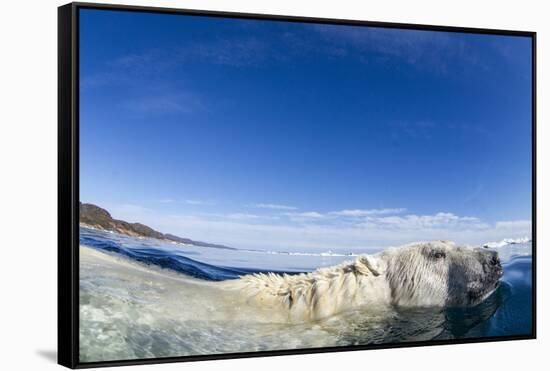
x=143 y=298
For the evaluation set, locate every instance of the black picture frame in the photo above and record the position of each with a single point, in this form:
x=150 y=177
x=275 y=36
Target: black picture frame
x=68 y=182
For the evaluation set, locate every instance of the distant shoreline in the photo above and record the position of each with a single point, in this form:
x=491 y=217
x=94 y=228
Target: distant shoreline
x=93 y=216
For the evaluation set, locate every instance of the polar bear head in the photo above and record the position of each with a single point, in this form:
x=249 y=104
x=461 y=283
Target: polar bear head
x=440 y=274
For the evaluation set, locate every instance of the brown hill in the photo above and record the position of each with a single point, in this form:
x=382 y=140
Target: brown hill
x=96 y=217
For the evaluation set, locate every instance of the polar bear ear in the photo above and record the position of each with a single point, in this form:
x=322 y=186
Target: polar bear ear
x=367 y=265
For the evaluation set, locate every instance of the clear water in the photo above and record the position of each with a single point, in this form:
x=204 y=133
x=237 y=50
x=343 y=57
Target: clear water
x=143 y=298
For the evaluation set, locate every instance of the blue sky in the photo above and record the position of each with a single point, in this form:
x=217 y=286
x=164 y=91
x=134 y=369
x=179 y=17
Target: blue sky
x=304 y=136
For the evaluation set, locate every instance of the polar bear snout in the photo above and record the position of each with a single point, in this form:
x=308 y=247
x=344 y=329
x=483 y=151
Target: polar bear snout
x=491 y=263
x=482 y=276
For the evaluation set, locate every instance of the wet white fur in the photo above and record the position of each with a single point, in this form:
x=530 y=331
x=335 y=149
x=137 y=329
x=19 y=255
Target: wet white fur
x=405 y=276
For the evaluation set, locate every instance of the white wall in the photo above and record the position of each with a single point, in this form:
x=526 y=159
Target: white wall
x=28 y=151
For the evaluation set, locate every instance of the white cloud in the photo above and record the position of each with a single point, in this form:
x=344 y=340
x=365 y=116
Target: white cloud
x=166 y=200
x=361 y=212
x=412 y=221
x=424 y=50
x=515 y=224
x=335 y=215
x=306 y=215
x=317 y=231
x=264 y=234
x=242 y=216
x=198 y=202
x=275 y=207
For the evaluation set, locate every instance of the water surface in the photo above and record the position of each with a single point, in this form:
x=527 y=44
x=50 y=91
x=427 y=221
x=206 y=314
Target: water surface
x=143 y=298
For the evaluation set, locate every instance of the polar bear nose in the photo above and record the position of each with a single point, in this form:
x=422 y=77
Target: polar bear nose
x=494 y=260
x=491 y=262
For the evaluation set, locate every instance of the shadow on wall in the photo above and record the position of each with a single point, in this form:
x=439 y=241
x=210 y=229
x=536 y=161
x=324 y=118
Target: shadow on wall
x=50 y=355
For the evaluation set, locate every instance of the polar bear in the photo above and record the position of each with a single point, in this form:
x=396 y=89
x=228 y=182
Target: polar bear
x=424 y=274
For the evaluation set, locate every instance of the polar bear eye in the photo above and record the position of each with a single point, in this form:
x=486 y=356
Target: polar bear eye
x=437 y=255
